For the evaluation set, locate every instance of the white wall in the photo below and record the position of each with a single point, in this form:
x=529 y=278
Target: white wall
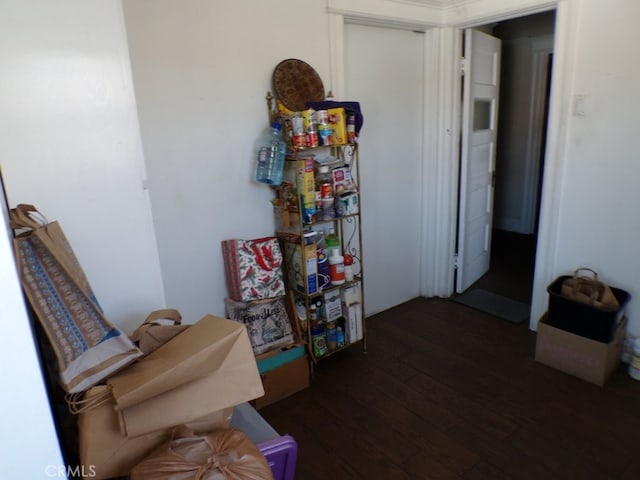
x=71 y=143
x=201 y=71
x=599 y=205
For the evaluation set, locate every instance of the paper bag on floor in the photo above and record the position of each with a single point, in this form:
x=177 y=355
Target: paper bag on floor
x=208 y=367
x=106 y=453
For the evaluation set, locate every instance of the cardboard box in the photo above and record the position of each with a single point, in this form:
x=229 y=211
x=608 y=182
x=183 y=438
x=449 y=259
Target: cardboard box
x=579 y=356
x=284 y=381
x=267 y=322
x=276 y=358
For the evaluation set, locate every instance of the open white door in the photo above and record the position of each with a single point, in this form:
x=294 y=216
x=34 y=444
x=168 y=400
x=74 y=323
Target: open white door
x=478 y=155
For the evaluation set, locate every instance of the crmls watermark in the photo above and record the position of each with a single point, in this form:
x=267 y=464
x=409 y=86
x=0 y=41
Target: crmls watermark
x=70 y=471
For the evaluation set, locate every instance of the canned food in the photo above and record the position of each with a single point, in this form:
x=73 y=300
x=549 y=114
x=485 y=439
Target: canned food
x=326 y=190
x=328 y=208
x=297 y=123
x=326 y=135
x=323 y=116
x=312 y=139
x=300 y=139
x=309 y=118
x=351 y=128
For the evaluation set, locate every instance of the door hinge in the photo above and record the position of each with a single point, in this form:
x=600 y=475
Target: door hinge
x=463 y=66
x=456 y=261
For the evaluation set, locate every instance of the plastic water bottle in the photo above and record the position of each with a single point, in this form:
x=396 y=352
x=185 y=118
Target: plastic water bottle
x=271 y=153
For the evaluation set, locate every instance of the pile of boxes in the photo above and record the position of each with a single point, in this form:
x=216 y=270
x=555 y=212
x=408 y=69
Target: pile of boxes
x=276 y=340
x=195 y=379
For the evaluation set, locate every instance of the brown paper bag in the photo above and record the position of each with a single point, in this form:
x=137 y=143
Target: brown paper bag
x=208 y=367
x=588 y=289
x=220 y=455
x=106 y=453
x=152 y=333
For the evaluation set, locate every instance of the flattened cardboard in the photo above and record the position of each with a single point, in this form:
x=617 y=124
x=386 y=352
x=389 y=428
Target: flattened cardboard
x=581 y=357
x=206 y=368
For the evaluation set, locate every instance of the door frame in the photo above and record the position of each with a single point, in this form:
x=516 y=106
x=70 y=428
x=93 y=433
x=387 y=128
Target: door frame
x=441 y=148
x=556 y=142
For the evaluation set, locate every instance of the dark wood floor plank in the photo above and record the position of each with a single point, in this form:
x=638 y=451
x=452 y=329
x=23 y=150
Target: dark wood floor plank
x=485 y=471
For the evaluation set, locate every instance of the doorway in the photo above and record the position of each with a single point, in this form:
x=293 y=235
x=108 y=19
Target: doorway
x=527 y=52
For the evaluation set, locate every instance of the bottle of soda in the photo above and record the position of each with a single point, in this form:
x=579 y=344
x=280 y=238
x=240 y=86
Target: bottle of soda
x=333 y=242
x=272 y=150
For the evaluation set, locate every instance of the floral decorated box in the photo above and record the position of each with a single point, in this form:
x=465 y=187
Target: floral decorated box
x=253 y=268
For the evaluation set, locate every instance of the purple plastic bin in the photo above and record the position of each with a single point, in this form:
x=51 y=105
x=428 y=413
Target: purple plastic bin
x=281 y=453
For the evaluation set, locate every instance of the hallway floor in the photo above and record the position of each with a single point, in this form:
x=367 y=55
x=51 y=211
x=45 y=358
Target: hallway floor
x=512 y=266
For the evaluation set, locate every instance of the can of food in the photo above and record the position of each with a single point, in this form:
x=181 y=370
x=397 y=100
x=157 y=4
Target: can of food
x=326 y=190
x=328 y=208
x=322 y=116
x=325 y=132
x=299 y=139
x=312 y=139
x=309 y=119
x=351 y=128
x=297 y=123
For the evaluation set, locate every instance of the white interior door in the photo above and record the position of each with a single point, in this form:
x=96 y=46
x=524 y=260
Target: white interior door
x=389 y=87
x=478 y=154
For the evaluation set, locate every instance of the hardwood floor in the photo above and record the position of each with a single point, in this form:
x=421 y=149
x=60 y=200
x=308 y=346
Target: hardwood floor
x=446 y=392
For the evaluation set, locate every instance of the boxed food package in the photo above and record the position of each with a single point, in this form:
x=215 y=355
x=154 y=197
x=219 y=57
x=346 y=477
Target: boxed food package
x=302 y=267
x=332 y=305
x=351 y=294
x=353 y=324
x=267 y=322
x=338 y=122
x=300 y=175
x=579 y=356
